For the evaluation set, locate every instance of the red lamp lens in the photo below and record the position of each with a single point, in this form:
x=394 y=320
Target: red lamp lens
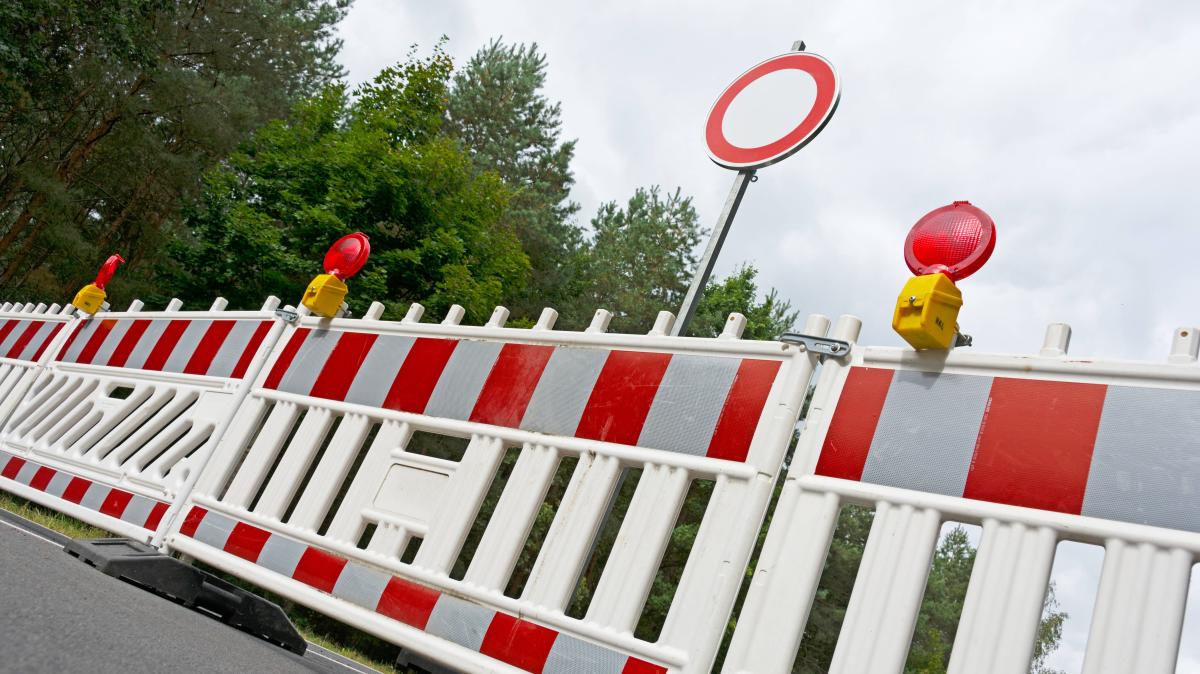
x=107 y=270
x=348 y=255
x=955 y=240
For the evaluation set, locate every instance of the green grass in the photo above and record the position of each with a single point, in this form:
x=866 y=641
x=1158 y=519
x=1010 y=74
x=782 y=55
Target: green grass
x=314 y=627
x=54 y=521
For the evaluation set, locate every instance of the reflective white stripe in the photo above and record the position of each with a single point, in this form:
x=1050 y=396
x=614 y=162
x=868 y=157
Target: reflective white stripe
x=562 y=392
x=111 y=340
x=458 y=388
x=378 y=370
x=185 y=348
x=460 y=621
x=233 y=348
x=146 y=343
x=39 y=338
x=688 y=403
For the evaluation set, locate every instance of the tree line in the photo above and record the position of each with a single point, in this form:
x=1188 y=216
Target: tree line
x=216 y=144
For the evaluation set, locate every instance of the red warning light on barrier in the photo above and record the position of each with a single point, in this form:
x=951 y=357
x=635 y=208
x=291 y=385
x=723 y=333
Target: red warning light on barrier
x=347 y=255
x=955 y=240
x=107 y=270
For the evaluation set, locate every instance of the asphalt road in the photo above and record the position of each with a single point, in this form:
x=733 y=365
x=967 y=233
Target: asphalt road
x=59 y=615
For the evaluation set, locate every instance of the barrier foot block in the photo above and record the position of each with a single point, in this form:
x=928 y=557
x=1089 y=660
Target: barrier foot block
x=145 y=566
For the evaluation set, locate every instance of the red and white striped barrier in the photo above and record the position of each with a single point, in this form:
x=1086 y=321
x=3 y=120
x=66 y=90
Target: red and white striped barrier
x=355 y=497
x=28 y=333
x=134 y=402
x=1036 y=450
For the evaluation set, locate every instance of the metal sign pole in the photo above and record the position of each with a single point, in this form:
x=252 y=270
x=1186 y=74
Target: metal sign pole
x=704 y=269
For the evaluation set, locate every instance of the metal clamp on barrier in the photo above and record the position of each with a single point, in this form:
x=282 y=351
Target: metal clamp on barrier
x=823 y=345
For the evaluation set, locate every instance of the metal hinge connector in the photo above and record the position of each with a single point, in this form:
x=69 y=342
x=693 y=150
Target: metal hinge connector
x=288 y=315
x=835 y=348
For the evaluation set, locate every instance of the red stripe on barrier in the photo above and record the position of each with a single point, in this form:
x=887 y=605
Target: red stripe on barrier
x=71 y=338
x=853 y=425
x=407 y=602
x=76 y=490
x=518 y=642
x=207 y=349
x=192 y=522
x=419 y=374
x=256 y=340
x=342 y=365
x=622 y=396
x=155 y=516
x=46 y=342
x=285 y=358
x=128 y=342
x=742 y=410
x=96 y=341
x=41 y=479
x=246 y=541
x=637 y=666
x=13 y=467
x=166 y=344
x=510 y=384
x=1035 y=444
x=114 y=504
x=7 y=327
x=23 y=341
x=319 y=569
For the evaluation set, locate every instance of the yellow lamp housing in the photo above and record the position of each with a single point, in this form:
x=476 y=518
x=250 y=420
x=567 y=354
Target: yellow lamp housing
x=89 y=299
x=324 y=296
x=927 y=312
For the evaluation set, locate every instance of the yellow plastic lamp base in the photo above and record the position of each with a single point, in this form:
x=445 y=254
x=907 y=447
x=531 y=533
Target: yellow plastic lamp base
x=89 y=299
x=325 y=295
x=927 y=312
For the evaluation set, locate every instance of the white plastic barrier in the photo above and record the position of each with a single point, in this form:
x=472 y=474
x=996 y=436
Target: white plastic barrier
x=323 y=516
x=1035 y=449
x=29 y=335
x=126 y=409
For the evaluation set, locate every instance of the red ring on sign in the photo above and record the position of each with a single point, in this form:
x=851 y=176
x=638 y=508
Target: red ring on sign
x=955 y=240
x=732 y=156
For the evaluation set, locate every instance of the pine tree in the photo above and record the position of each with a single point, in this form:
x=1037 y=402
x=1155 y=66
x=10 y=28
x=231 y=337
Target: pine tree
x=498 y=112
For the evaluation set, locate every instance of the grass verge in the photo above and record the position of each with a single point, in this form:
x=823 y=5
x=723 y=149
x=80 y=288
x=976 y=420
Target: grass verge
x=314 y=627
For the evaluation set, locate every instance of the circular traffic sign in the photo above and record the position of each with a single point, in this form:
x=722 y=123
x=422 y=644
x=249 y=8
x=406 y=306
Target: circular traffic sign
x=955 y=240
x=771 y=111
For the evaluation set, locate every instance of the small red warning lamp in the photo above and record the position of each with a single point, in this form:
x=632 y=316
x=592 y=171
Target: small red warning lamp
x=955 y=240
x=347 y=255
x=948 y=244
x=345 y=258
x=107 y=270
x=90 y=298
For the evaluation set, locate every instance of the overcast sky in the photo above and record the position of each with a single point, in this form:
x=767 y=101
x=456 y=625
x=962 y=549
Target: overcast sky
x=1075 y=125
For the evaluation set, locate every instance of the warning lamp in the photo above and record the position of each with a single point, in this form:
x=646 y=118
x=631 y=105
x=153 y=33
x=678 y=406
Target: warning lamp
x=345 y=258
x=90 y=298
x=947 y=245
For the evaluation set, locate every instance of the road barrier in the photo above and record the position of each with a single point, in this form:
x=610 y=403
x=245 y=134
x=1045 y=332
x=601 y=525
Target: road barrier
x=1036 y=449
x=124 y=409
x=448 y=487
x=326 y=478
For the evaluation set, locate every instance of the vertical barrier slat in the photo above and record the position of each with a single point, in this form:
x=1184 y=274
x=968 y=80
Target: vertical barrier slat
x=502 y=541
x=258 y=460
x=331 y=469
x=1139 y=610
x=570 y=536
x=639 y=547
x=1003 y=606
x=348 y=521
x=883 y=606
x=295 y=461
x=785 y=582
x=464 y=494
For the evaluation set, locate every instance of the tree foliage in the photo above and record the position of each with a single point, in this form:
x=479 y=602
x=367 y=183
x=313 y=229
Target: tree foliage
x=507 y=125
x=377 y=162
x=110 y=112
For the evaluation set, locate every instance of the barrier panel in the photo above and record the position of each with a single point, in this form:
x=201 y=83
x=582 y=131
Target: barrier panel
x=126 y=408
x=29 y=334
x=326 y=483
x=1036 y=449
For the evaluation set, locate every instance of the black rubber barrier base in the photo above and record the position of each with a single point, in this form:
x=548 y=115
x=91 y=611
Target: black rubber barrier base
x=145 y=566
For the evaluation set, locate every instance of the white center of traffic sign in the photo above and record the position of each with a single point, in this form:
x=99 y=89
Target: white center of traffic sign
x=771 y=111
